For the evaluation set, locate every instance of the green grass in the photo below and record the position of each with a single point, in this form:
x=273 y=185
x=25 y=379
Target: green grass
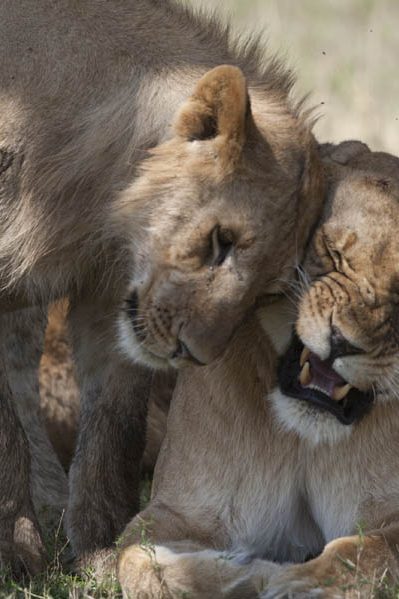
x=58 y=581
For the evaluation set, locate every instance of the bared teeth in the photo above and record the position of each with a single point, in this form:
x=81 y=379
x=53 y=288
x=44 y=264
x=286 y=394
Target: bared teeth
x=341 y=392
x=304 y=356
x=305 y=376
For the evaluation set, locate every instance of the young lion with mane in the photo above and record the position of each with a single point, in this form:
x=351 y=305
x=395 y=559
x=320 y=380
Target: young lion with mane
x=307 y=470
x=144 y=156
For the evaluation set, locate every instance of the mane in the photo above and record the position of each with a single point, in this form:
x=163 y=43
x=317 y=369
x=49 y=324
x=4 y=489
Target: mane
x=249 y=51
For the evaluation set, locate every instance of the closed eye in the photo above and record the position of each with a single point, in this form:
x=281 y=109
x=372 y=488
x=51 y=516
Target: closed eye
x=222 y=245
x=334 y=254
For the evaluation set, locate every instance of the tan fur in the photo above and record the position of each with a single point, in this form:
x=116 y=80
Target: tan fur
x=235 y=486
x=59 y=393
x=60 y=402
x=149 y=177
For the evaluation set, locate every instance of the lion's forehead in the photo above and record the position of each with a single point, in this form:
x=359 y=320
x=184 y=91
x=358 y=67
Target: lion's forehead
x=367 y=214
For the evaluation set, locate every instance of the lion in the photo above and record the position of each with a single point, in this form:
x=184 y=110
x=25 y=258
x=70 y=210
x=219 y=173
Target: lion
x=150 y=164
x=60 y=401
x=277 y=477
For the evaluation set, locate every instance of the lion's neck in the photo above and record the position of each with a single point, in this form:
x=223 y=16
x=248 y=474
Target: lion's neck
x=276 y=321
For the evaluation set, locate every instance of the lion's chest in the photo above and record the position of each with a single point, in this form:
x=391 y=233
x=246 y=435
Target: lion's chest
x=268 y=515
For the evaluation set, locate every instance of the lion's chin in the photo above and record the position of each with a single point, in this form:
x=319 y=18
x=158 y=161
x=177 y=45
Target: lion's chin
x=310 y=423
x=134 y=350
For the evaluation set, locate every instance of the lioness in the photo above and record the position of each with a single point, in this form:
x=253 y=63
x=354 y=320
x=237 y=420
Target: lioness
x=250 y=472
x=136 y=163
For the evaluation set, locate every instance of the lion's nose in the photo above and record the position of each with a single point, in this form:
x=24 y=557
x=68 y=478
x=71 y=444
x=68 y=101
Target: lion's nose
x=340 y=346
x=183 y=352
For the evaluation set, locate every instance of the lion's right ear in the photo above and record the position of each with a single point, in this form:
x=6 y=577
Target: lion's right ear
x=344 y=152
x=219 y=109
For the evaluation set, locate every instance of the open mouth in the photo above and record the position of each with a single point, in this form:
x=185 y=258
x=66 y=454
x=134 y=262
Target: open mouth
x=302 y=375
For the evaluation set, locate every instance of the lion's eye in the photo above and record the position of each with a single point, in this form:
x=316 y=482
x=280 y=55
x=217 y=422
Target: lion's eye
x=334 y=254
x=222 y=244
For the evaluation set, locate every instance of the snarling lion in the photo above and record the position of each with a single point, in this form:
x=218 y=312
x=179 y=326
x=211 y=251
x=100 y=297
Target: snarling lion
x=149 y=167
x=286 y=448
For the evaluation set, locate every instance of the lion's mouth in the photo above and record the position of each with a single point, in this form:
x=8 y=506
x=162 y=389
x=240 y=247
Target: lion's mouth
x=179 y=355
x=302 y=375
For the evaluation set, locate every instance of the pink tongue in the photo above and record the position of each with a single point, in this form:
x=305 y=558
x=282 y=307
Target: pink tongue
x=323 y=376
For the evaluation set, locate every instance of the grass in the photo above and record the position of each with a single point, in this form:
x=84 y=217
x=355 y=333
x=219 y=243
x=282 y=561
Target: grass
x=58 y=581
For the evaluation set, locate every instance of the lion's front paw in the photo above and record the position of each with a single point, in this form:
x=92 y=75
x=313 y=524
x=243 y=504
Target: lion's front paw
x=348 y=568
x=289 y=586
x=22 y=551
x=141 y=576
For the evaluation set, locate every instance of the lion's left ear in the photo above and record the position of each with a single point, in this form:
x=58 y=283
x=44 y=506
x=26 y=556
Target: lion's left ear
x=344 y=152
x=219 y=110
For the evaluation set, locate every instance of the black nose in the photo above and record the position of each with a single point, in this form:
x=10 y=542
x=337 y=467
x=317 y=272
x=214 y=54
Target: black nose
x=340 y=346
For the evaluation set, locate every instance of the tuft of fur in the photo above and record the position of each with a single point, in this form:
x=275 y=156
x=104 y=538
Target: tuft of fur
x=309 y=423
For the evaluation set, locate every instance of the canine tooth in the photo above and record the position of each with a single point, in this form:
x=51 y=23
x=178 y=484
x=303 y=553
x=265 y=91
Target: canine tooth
x=304 y=356
x=304 y=377
x=341 y=392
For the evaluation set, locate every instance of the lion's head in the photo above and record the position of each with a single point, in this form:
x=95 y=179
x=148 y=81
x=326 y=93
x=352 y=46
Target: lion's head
x=230 y=200
x=347 y=352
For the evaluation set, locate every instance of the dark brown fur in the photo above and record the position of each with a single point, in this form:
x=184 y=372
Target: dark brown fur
x=103 y=192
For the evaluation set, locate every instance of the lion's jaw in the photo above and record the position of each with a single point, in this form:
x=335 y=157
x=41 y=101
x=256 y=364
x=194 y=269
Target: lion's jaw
x=292 y=415
x=347 y=318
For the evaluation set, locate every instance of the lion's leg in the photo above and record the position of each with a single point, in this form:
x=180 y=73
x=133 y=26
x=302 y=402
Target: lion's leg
x=105 y=473
x=348 y=567
x=20 y=542
x=159 y=560
x=23 y=337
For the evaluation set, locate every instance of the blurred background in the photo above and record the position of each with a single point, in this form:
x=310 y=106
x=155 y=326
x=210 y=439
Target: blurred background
x=346 y=52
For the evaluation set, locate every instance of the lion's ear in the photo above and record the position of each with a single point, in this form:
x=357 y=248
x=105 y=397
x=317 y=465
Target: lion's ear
x=344 y=152
x=218 y=109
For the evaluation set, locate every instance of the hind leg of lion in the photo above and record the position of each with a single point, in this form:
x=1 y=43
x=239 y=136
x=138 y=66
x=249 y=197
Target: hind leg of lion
x=158 y=560
x=349 y=567
x=105 y=472
x=20 y=541
x=29 y=463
